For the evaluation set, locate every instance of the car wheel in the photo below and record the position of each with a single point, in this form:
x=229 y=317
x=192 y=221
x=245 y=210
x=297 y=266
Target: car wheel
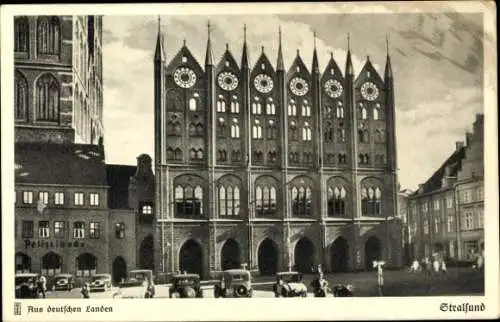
x=304 y=294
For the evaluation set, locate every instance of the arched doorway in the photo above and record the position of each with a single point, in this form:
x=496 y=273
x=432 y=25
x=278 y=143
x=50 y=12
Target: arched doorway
x=230 y=255
x=51 y=264
x=373 y=251
x=304 y=256
x=86 y=264
x=23 y=263
x=119 y=269
x=191 y=258
x=339 y=255
x=268 y=257
x=146 y=253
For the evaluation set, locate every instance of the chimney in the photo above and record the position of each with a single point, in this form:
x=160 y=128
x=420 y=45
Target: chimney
x=468 y=138
x=459 y=145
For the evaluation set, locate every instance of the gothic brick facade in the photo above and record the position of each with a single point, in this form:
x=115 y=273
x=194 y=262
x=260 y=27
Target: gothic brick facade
x=271 y=167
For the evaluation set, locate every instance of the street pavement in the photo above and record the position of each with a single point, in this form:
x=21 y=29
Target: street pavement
x=457 y=281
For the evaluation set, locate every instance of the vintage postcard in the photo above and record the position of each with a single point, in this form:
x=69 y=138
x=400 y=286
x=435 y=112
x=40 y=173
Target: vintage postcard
x=250 y=161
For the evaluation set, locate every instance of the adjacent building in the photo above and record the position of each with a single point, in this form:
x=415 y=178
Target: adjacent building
x=73 y=213
x=447 y=211
x=273 y=167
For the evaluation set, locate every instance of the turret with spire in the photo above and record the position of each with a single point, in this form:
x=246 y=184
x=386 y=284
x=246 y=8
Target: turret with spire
x=210 y=98
x=349 y=70
x=391 y=111
x=316 y=103
x=244 y=57
x=159 y=98
x=280 y=65
x=209 y=59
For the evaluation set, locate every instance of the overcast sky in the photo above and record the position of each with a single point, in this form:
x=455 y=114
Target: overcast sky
x=437 y=62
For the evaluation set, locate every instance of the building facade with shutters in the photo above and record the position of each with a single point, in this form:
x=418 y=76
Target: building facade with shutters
x=446 y=213
x=270 y=167
x=73 y=213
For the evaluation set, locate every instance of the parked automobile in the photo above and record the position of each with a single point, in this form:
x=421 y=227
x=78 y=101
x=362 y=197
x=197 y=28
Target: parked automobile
x=100 y=282
x=234 y=283
x=137 y=277
x=26 y=286
x=62 y=282
x=185 y=286
x=341 y=290
x=289 y=284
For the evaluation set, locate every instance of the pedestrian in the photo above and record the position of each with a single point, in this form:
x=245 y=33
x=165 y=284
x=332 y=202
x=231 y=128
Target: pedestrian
x=150 y=289
x=479 y=262
x=415 y=267
x=380 y=275
x=42 y=285
x=85 y=290
x=443 y=266
x=436 y=265
x=320 y=286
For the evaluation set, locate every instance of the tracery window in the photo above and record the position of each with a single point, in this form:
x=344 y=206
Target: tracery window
x=272 y=131
x=301 y=200
x=48 y=35
x=265 y=200
x=47 y=98
x=336 y=201
x=21 y=34
x=306 y=132
x=188 y=200
x=371 y=201
x=20 y=96
x=229 y=200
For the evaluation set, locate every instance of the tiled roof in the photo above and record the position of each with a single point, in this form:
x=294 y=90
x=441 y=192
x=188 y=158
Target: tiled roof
x=118 y=179
x=435 y=181
x=69 y=164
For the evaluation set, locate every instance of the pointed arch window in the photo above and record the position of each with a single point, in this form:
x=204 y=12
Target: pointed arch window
x=235 y=156
x=376 y=114
x=235 y=129
x=229 y=200
x=256 y=106
x=48 y=35
x=221 y=105
x=336 y=201
x=364 y=159
x=47 y=98
x=193 y=104
x=342 y=158
x=20 y=96
x=341 y=135
x=293 y=131
x=265 y=200
x=306 y=109
x=379 y=136
x=272 y=156
x=306 y=132
x=257 y=130
x=21 y=34
x=339 y=111
x=221 y=127
x=221 y=155
x=329 y=132
x=272 y=130
x=292 y=108
x=188 y=200
x=235 y=105
x=170 y=154
x=301 y=199
x=258 y=156
x=364 y=113
x=371 y=201
x=270 y=107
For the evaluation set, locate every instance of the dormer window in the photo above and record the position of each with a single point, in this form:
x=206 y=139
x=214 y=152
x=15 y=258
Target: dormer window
x=298 y=69
x=332 y=71
x=262 y=66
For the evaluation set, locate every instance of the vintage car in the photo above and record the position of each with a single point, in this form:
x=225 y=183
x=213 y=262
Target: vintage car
x=137 y=277
x=289 y=284
x=185 y=286
x=100 y=282
x=62 y=282
x=234 y=283
x=26 y=286
x=341 y=290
